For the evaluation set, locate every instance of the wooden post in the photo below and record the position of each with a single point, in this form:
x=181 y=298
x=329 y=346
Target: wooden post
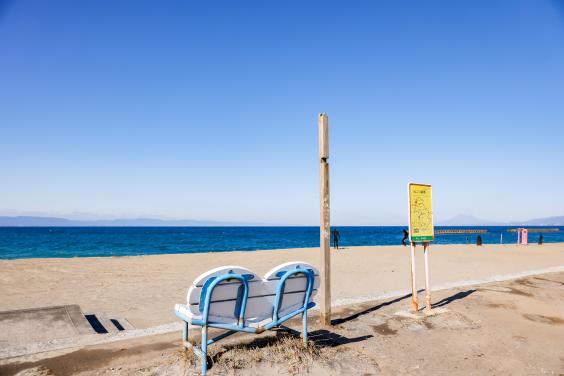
x=414 y=303
x=427 y=285
x=325 y=226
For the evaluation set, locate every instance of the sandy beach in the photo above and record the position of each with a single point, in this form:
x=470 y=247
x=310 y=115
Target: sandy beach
x=510 y=327
x=144 y=289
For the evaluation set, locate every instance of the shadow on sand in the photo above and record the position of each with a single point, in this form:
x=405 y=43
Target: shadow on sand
x=450 y=299
x=443 y=302
x=369 y=310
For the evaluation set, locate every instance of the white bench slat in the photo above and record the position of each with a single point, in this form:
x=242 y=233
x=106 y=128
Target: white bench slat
x=261 y=293
x=258 y=309
x=226 y=291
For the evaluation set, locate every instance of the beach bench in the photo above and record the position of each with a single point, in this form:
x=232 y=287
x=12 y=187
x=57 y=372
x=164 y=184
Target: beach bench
x=235 y=299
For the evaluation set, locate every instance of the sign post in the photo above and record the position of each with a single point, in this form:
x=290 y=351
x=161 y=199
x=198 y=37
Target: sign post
x=421 y=230
x=324 y=225
x=414 y=301
x=427 y=286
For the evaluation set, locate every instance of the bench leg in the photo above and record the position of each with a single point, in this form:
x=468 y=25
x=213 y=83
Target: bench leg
x=185 y=333
x=304 y=319
x=204 y=347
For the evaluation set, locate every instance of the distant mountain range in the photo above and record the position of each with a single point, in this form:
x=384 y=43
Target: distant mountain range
x=468 y=220
x=39 y=221
x=31 y=221
x=549 y=221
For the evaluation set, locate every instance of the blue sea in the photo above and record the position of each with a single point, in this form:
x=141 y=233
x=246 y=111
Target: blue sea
x=30 y=242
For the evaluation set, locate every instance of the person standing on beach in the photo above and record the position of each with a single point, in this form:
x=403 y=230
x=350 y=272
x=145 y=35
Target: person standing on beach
x=541 y=239
x=336 y=237
x=405 y=236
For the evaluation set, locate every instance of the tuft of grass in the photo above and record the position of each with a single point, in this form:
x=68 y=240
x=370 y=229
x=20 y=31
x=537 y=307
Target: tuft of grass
x=288 y=350
x=282 y=349
x=36 y=371
x=187 y=358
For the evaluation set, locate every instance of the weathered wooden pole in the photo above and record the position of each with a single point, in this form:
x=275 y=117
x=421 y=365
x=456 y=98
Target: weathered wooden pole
x=325 y=226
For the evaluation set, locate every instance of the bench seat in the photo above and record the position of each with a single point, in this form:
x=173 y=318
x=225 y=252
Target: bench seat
x=236 y=299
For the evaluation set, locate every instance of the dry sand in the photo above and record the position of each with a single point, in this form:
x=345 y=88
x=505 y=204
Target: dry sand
x=144 y=289
x=504 y=328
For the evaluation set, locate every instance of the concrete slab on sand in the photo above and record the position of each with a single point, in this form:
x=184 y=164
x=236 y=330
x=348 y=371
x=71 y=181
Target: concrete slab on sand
x=36 y=330
x=44 y=329
x=41 y=324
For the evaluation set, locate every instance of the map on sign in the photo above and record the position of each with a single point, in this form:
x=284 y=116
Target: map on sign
x=420 y=213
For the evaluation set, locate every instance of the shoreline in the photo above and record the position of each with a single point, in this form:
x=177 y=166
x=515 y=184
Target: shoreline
x=344 y=248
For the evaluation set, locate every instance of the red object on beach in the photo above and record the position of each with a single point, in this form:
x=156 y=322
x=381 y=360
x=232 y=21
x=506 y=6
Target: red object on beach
x=522 y=236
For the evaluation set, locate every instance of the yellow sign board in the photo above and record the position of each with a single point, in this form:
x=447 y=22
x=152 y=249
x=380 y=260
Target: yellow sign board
x=421 y=227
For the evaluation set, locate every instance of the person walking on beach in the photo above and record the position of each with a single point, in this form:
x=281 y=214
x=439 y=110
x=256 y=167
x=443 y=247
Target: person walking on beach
x=336 y=237
x=405 y=236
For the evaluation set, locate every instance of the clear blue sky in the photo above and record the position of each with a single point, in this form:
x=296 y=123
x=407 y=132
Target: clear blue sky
x=208 y=110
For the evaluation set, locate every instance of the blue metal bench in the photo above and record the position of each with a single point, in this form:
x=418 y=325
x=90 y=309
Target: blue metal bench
x=234 y=299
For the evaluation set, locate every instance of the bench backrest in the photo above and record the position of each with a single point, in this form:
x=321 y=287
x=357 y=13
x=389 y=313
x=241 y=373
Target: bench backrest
x=227 y=295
